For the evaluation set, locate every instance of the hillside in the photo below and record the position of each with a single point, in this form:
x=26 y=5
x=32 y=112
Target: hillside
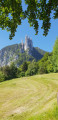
x=29 y=98
x=13 y=53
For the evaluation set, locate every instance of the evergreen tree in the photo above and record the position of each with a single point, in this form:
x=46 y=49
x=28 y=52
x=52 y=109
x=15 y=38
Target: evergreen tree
x=13 y=70
x=55 y=56
x=6 y=71
x=24 y=66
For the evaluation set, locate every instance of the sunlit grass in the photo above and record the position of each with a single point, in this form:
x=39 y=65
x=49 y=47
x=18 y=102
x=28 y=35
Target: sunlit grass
x=29 y=98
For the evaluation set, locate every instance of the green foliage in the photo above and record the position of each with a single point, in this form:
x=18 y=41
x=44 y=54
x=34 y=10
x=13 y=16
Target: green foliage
x=23 y=57
x=42 y=69
x=55 y=56
x=50 y=68
x=24 y=66
x=22 y=69
x=22 y=74
x=10 y=71
x=18 y=72
x=32 y=69
x=6 y=71
x=13 y=70
x=12 y=13
x=45 y=64
x=2 y=77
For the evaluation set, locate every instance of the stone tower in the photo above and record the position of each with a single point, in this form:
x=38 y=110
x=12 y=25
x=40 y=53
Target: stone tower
x=28 y=43
x=28 y=46
x=22 y=47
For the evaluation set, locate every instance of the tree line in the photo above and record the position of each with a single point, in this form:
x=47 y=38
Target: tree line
x=48 y=64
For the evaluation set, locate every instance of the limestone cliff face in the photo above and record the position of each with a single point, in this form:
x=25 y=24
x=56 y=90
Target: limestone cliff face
x=13 y=54
x=8 y=55
x=18 y=54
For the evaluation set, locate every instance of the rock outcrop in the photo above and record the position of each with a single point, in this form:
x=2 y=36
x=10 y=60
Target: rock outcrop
x=19 y=53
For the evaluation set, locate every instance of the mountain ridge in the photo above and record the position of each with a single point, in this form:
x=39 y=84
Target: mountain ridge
x=12 y=53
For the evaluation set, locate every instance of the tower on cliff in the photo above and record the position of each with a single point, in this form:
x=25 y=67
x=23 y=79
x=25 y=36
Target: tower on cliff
x=22 y=47
x=28 y=46
x=28 y=43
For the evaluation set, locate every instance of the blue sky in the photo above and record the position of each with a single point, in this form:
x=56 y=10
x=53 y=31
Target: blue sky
x=45 y=43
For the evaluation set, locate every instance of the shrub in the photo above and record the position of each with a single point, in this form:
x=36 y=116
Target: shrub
x=10 y=71
x=22 y=74
x=13 y=71
x=2 y=77
x=19 y=70
x=24 y=66
x=42 y=70
x=50 y=68
x=32 y=69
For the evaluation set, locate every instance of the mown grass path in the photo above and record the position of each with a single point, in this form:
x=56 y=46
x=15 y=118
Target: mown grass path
x=29 y=98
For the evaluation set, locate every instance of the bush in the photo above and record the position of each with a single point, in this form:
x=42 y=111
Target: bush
x=9 y=71
x=13 y=71
x=50 y=68
x=55 y=68
x=42 y=70
x=24 y=66
x=28 y=73
x=22 y=74
x=32 y=69
x=2 y=77
x=18 y=72
x=6 y=72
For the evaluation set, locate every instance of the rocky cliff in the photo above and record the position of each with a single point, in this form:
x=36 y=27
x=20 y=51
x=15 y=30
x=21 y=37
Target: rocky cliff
x=13 y=54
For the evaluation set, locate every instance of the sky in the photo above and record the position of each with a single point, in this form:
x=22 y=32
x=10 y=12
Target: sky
x=44 y=43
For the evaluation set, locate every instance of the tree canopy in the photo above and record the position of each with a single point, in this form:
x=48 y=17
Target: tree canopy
x=12 y=13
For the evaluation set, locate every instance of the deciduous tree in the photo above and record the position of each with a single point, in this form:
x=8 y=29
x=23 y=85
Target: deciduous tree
x=11 y=14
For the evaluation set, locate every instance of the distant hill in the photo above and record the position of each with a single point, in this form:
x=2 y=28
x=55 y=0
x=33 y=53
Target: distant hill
x=13 y=53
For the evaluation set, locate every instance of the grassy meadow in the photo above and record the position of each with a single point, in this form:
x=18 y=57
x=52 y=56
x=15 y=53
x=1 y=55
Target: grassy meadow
x=29 y=98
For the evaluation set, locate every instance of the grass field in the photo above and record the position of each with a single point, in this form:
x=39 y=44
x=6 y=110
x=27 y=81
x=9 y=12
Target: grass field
x=29 y=98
